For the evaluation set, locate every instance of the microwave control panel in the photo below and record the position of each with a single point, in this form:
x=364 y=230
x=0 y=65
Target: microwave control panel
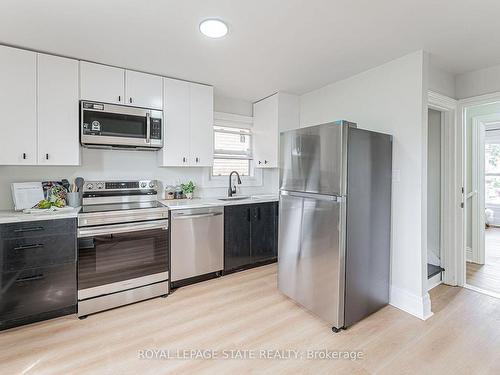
x=155 y=128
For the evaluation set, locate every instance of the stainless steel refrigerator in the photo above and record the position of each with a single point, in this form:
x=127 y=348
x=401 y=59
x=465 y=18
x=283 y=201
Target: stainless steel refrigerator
x=335 y=220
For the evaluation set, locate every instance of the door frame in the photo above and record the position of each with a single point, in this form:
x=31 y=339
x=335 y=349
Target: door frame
x=479 y=126
x=451 y=183
x=463 y=105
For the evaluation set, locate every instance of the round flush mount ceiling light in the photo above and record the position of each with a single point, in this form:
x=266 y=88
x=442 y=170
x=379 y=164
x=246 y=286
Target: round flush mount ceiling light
x=213 y=28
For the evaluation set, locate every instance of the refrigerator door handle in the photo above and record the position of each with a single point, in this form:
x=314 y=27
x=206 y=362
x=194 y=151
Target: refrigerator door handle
x=332 y=198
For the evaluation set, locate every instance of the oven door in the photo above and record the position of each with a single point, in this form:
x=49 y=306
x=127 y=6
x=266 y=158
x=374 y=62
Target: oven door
x=114 y=125
x=113 y=258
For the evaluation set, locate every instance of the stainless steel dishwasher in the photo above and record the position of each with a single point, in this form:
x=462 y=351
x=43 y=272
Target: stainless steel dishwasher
x=197 y=244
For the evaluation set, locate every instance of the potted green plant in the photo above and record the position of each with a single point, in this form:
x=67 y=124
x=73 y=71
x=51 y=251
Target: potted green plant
x=188 y=189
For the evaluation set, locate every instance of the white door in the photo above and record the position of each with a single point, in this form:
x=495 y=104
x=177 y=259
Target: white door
x=143 y=90
x=201 y=126
x=175 y=152
x=102 y=83
x=58 y=136
x=266 y=133
x=17 y=106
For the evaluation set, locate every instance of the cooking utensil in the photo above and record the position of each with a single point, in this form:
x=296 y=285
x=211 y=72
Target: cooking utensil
x=79 y=183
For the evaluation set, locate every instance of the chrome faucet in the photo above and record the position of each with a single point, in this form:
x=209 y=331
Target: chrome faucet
x=232 y=189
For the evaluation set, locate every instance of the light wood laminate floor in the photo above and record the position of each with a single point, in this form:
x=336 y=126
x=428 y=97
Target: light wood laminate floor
x=246 y=311
x=487 y=276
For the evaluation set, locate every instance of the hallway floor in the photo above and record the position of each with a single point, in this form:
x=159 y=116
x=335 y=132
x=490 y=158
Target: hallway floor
x=487 y=276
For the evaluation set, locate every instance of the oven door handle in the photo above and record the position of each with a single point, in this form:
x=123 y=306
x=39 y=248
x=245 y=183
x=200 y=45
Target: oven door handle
x=121 y=228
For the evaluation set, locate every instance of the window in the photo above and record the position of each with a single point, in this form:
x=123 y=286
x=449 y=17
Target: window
x=492 y=172
x=232 y=151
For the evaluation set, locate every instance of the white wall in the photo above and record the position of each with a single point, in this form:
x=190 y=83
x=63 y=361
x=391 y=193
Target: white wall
x=441 y=81
x=233 y=105
x=390 y=99
x=434 y=188
x=115 y=164
x=479 y=82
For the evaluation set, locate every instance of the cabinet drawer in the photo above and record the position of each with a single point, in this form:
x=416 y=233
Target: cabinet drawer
x=41 y=251
x=37 y=228
x=28 y=293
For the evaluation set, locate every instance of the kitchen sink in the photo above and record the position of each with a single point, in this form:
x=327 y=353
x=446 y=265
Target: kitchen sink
x=234 y=198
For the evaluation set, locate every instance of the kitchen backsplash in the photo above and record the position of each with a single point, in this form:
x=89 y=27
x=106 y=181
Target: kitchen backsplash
x=115 y=164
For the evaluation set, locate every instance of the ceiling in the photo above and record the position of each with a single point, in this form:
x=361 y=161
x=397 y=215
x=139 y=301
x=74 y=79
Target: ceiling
x=289 y=45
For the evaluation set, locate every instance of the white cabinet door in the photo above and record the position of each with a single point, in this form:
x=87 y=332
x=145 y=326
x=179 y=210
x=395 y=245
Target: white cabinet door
x=102 y=83
x=266 y=133
x=143 y=90
x=17 y=106
x=175 y=152
x=58 y=136
x=201 y=126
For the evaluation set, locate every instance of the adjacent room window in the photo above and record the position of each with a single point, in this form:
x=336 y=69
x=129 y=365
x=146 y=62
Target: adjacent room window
x=492 y=173
x=232 y=151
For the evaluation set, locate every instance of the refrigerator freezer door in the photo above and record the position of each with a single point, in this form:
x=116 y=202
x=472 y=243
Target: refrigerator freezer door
x=368 y=224
x=313 y=159
x=311 y=256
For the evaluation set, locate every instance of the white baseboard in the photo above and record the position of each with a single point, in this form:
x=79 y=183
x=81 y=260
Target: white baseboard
x=468 y=254
x=411 y=303
x=434 y=281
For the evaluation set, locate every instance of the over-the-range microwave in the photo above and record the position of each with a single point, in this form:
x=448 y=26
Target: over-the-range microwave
x=105 y=125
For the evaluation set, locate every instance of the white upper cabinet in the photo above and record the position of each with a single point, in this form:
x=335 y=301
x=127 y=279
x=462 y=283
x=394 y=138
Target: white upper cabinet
x=175 y=152
x=188 y=124
x=102 y=83
x=58 y=131
x=265 y=132
x=17 y=106
x=143 y=90
x=272 y=115
x=201 y=125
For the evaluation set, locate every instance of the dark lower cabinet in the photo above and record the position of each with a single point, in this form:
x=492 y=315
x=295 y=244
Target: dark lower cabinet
x=38 y=273
x=250 y=235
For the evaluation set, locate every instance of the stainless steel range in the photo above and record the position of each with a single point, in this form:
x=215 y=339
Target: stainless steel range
x=122 y=245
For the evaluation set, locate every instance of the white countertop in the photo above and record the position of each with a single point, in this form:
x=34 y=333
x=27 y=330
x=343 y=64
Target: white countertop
x=19 y=216
x=180 y=204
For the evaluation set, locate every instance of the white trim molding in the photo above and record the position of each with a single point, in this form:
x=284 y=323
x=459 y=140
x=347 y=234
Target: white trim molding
x=463 y=106
x=411 y=303
x=451 y=185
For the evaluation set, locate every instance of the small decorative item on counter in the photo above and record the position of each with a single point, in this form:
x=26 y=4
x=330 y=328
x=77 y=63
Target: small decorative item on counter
x=178 y=192
x=188 y=189
x=169 y=192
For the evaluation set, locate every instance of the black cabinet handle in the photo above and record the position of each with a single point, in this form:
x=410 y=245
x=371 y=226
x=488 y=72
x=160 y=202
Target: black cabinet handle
x=119 y=98
x=197 y=160
x=25 y=247
x=32 y=229
x=47 y=156
x=30 y=278
x=24 y=155
x=130 y=100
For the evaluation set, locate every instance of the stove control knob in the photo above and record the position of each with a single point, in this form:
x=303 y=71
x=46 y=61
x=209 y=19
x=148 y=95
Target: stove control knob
x=151 y=184
x=90 y=186
x=143 y=185
x=100 y=185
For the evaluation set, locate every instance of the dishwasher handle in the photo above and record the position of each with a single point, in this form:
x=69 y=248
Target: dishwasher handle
x=194 y=216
